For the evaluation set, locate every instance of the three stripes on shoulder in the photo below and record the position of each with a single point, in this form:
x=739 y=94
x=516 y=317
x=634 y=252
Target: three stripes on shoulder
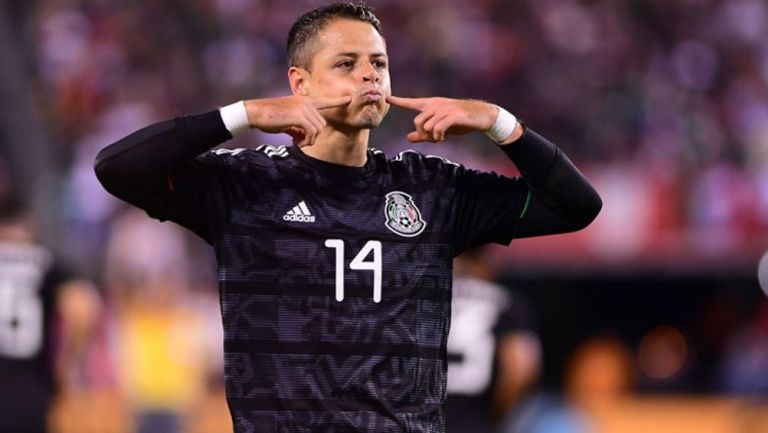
x=267 y=149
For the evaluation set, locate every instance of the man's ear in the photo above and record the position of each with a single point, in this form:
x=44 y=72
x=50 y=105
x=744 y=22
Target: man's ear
x=297 y=77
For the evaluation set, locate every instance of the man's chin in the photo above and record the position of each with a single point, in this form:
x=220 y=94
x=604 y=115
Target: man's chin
x=367 y=122
x=371 y=116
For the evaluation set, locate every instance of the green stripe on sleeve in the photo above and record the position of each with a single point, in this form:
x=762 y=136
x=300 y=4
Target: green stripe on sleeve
x=527 y=203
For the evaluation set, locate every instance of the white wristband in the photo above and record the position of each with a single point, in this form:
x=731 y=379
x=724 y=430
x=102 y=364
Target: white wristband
x=235 y=118
x=505 y=124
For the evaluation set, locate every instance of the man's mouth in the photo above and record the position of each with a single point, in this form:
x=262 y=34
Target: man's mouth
x=372 y=96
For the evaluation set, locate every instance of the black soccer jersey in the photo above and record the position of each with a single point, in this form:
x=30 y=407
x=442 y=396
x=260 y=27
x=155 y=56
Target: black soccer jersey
x=27 y=295
x=482 y=314
x=335 y=281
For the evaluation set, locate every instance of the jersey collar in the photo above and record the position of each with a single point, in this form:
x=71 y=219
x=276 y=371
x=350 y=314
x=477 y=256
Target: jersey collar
x=334 y=170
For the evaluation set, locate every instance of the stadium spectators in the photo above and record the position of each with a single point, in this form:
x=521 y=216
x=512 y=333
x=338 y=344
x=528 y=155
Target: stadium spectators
x=675 y=92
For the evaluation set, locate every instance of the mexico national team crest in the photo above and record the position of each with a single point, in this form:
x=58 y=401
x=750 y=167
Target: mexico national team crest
x=403 y=217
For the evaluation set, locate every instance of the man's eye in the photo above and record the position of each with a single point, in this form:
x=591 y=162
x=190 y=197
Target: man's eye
x=380 y=64
x=345 y=64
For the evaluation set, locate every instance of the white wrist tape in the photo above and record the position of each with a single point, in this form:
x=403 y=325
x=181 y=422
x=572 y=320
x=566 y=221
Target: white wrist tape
x=235 y=118
x=505 y=124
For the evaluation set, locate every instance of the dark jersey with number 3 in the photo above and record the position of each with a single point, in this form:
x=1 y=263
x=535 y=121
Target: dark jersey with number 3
x=484 y=314
x=335 y=281
x=28 y=283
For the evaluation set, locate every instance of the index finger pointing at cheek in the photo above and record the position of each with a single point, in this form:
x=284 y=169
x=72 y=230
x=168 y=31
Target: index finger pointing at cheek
x=416 y=104
x=325 y=102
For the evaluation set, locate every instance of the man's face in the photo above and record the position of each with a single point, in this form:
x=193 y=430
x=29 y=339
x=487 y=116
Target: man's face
x=351 y=59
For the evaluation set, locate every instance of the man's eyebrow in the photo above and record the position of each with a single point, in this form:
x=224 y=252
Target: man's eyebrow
x=356 y=55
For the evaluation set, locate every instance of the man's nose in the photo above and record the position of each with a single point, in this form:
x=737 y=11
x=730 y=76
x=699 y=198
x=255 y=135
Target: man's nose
x=370 y=74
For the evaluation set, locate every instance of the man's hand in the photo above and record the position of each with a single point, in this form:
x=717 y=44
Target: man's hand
x=439 y=117
x=297 y=116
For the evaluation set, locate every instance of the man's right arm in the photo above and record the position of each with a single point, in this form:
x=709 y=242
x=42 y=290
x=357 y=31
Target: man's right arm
x=141 y=162
x=137 y=168
x=157 y=168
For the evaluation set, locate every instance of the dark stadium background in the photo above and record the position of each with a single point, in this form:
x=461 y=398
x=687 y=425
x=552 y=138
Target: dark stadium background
x=663 y=103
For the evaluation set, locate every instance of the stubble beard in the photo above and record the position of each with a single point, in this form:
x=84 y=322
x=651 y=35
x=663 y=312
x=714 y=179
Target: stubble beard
x=371 y=116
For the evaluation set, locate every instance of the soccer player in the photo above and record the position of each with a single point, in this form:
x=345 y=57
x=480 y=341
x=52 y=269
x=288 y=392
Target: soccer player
x=494 y=356
x=35 y=293
x=335 y=261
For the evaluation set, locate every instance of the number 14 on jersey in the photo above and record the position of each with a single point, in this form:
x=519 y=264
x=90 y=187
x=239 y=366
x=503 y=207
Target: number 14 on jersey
x=359 y=263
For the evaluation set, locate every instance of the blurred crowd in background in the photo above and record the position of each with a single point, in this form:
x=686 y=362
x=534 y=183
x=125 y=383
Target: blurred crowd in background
x=664 y=104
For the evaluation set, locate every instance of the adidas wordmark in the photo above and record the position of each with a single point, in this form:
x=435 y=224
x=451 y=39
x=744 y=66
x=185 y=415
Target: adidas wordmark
x=299 y=213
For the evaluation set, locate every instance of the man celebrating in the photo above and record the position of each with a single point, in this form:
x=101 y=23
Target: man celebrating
x=334 y=261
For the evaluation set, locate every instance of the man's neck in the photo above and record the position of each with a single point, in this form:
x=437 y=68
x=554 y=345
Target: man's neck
x=340 y=147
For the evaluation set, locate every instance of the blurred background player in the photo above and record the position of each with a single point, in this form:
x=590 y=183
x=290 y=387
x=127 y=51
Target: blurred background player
x=46 y=317
x=494 y=354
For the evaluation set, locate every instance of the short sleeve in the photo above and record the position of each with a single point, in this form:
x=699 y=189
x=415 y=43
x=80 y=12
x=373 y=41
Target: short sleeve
x=487 y=208
x=198 y=196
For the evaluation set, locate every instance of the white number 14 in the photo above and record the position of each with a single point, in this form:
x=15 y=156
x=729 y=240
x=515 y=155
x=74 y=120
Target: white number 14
x=357 y=264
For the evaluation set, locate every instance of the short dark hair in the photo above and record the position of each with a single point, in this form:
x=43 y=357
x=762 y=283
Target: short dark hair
x=307 y=27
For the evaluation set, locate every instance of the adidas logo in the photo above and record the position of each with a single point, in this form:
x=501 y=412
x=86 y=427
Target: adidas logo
x=299 y=213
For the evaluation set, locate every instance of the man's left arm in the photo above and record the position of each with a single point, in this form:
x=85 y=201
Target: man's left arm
x=562 y=200
x=560 y=197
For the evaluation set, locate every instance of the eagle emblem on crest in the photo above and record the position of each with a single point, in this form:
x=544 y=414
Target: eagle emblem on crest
x=403 y=217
